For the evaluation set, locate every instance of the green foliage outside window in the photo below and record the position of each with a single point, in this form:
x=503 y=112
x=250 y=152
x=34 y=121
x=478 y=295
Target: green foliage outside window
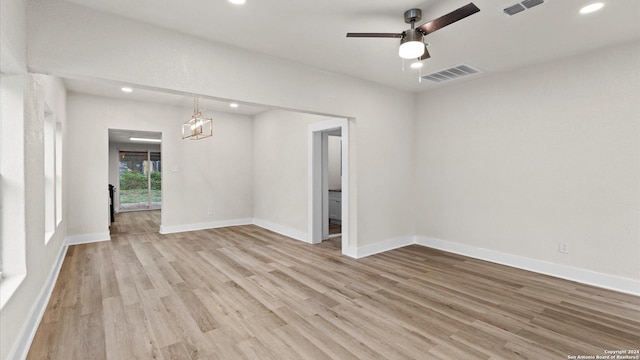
x=156 y=180
x=131 y=180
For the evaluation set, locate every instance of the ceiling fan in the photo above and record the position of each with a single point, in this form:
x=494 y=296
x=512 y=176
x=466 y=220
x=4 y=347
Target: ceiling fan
x=412 y=45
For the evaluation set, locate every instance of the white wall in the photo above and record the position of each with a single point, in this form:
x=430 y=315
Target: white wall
x=68 y=39
x=212 y=173
x=520 y=161
x=280 y=170
x=51 y=90
x=13 y=313
x=29 y=260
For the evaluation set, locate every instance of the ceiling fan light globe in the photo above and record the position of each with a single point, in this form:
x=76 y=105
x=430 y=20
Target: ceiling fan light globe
x=411 y=49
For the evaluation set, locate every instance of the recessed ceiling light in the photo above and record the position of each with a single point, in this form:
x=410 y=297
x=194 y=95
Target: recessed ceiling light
x=144 y=139
x=233 y=105
x=237 y=2
x=126 y=89
x=416 y=65
x=591 y=8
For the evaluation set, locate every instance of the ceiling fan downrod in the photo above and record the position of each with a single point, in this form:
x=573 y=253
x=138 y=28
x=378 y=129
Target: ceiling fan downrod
x=411 y=16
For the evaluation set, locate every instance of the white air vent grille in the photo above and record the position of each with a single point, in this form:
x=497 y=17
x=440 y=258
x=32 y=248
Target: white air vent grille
x=452 y=73
x=520 y=6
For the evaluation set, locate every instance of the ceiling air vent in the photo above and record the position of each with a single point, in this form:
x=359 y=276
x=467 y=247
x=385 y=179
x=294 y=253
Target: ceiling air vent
x=531 y=3
x=452 y=73
x=513 y=9
x=520 y=6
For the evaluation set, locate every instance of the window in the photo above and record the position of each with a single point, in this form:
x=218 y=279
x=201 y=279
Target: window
x=58 y=173
x=2 y=101
x=49 y=174
x=12 y=185
x=140 y=180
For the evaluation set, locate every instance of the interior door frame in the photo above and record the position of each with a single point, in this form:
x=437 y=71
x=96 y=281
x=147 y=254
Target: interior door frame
x=317 y=174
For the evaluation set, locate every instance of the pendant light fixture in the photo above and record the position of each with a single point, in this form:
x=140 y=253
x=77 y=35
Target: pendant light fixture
x=198 y=127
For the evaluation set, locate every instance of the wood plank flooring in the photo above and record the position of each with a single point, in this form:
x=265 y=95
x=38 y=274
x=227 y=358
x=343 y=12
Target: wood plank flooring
x=135 y=222
x=247 y=293
x=334 y=228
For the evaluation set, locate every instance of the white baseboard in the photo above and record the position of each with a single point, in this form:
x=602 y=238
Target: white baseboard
x=204 y=226
x=386 y=245
x=601 y=280
x=87 y=238
x=282 y=230
x=25 y=338
x=351 y=252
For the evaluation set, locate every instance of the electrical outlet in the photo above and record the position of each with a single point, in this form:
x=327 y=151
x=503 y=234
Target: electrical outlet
x=564 y=248
x=210 y=211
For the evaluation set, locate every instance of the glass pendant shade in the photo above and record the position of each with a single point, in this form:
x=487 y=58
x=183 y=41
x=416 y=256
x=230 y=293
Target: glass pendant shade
x=411 y=45
x=198 y=127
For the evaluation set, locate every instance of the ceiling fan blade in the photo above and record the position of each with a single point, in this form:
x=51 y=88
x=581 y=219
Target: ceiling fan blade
x=375 y=35
x=426 y=54
x=449 y=18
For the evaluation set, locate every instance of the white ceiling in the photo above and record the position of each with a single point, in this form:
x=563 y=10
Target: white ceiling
x=313 y=32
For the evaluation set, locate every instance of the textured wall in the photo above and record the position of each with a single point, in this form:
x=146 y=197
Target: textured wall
x=280 y=167
x=213 y=173
x=520 y=161
x=68 y=39
x=27 y=259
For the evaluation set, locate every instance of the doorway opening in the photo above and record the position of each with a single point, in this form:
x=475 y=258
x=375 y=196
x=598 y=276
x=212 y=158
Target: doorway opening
x=332 y=227
x=328 y=193
x=135 y=170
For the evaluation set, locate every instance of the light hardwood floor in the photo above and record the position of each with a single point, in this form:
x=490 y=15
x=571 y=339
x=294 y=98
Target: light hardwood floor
x=247 y=293
x=334 y=228
x=136 y=222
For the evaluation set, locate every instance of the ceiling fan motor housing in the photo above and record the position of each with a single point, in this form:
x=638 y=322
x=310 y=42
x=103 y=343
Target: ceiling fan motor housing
x=411 y=35
x=412 y=15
